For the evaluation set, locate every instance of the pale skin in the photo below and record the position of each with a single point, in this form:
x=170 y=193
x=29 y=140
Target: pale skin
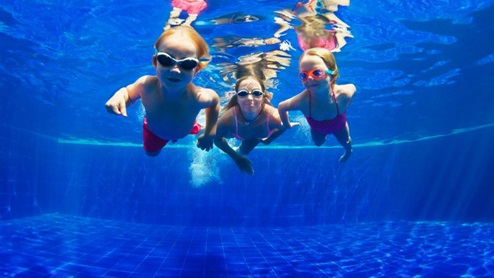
x=323 y=106
x=174 y=14
x=251 y=109
x=332 y=5
x=171 y=101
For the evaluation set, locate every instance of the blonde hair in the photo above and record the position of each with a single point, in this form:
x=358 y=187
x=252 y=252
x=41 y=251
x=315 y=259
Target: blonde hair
x=234 y=101
x=328 y=58
x=196 y=38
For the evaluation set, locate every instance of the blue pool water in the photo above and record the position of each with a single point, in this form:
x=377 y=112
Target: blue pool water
x=79 y=198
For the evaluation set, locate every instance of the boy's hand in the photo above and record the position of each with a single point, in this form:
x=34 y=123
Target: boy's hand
x=116 y=105
x=205 y=142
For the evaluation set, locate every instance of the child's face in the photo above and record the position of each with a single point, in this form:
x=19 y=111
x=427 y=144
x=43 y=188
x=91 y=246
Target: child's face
x=173 y=74
x=309 y=63
x=250 y=102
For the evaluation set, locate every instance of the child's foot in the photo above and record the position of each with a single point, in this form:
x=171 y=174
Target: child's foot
x=345 y=156
x=175 y=21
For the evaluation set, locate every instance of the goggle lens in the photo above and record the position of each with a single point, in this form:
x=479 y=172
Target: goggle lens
x=166 y=60
x=255 y=93
x=316 y=73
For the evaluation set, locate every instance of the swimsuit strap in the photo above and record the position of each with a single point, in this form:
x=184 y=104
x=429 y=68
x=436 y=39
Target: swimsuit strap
x=336 y=103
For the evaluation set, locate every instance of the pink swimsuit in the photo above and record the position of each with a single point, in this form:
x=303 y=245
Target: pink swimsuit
x=329 y=41
x=236 y=126
x=191 y=6
x=327 y=126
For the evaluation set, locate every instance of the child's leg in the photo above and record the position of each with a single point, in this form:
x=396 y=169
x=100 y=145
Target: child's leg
x=190 y=19
x=333 y=17
x=248 y=145
x=318 y=137
x=153 y=154
x=174 y=14
x=343 y=137
x=340 y=38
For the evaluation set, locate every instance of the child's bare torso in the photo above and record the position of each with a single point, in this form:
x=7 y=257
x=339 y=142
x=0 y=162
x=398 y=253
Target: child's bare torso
x=173 y=117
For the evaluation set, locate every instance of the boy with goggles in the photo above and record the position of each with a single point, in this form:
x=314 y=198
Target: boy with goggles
x=323 y=102
x=171 y=101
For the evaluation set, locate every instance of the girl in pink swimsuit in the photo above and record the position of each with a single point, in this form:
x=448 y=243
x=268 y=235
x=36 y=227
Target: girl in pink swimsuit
x=322 y=102
x=250 y=118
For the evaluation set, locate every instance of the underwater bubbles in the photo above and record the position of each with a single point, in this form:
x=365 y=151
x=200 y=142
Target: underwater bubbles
x=204 y=168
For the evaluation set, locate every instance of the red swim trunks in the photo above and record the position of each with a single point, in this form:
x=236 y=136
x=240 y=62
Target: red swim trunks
x=153 y=143
x=191 y=6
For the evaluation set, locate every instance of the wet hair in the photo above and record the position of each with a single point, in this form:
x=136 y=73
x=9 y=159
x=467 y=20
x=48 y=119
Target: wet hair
x=328 y=58
x=251 y=70
x=234 y=101
x=313 y=26
x=197 y=40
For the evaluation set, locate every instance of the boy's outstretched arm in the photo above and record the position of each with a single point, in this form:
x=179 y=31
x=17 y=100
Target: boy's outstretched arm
x=124 y=97
x=205 y=141
x=118 y=103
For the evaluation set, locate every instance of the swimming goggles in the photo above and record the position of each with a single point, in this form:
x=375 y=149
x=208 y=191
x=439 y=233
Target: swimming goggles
x=316 y=73
x=166 y=60
x=255 y=93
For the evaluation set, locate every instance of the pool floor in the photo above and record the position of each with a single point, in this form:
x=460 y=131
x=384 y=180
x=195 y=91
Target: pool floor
x=57 y=245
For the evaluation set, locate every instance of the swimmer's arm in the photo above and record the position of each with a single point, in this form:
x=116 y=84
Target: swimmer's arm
x=283 y=108
x=212 y=111
x=125 y=96
x=279 y=128
x=211 y=103
x=273 y=136
x=351 y=91
x=219 y=140
x=347 y=93
x=242 y=162
x=221 y=143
